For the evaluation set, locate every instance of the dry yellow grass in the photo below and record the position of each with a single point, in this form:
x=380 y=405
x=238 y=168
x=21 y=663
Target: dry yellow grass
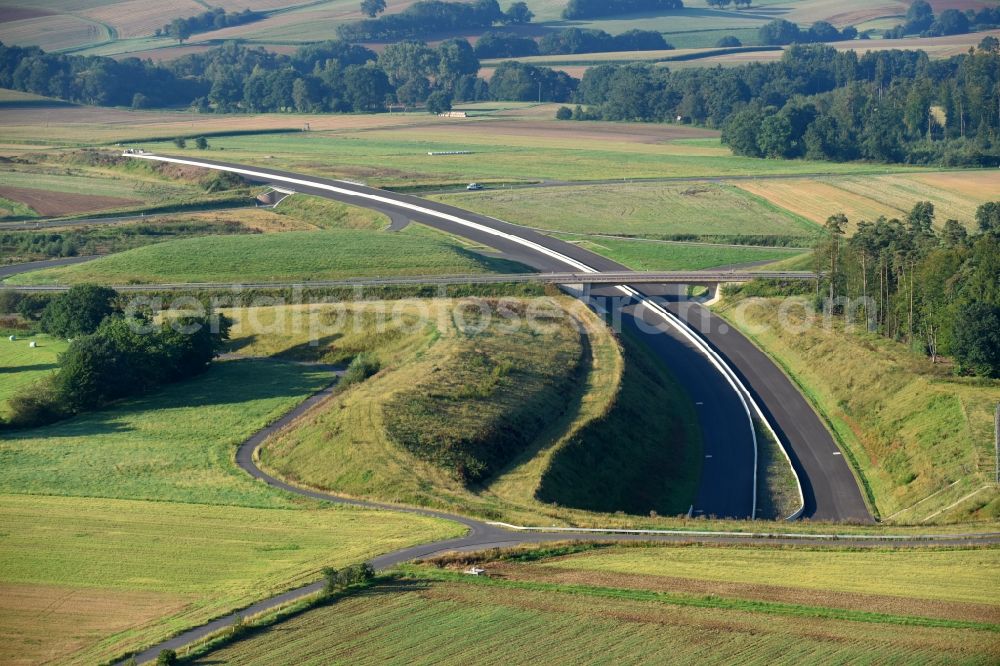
x=85 y=125
x=45 y=623
x=955 y=195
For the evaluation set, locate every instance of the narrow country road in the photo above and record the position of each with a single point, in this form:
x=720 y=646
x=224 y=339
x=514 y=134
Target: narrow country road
x=482 y=535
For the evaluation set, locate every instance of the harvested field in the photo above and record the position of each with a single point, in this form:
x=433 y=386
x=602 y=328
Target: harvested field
x=168 y=565
x=85 y=125
x=936 y=47
x=46 y=623
x=62 y=203
x=858 y=601
x=8 y=14
x=955 y=195
x=140 y=18
x=436 y=618
x=576 y=131
x=53 y=32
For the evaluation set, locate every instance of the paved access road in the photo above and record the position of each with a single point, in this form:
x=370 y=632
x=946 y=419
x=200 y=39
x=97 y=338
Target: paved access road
x=481 y=535
x=728 y=485
x=15 y=269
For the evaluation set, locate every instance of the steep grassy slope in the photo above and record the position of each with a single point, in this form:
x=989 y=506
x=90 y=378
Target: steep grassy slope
x=920 y=437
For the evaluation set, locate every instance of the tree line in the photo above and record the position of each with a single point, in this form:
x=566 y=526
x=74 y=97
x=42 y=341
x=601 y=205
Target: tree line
x=920 y=20
x=323 y=77
x=430 y=17
x=781 y=32
x=214 y=19
x=113 y=355
x=885 y=106
x=937 y=291
x=584 y=9
x=499 y=44
x=722 y=4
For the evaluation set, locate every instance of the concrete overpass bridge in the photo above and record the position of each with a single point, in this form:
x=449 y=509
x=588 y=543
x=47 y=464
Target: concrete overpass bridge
x=707 y=278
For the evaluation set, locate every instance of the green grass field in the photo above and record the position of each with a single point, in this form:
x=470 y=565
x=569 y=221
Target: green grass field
x=318 y=255
x=21 y=365
x=174 y=445
x=656 y=605
x=136 y=523
x=664 y=256
x=399 y=157
x=650 y=210
x=920 y=437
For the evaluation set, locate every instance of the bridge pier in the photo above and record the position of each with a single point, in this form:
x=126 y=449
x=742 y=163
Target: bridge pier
x=578 y=290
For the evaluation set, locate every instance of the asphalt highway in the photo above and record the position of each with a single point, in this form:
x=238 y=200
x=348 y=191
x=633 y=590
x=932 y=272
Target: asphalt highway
x=728 y=476
x=15 y=269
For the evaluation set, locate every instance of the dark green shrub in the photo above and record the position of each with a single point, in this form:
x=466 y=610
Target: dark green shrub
x=166 y=658
x=79 y=311
x=363 y=366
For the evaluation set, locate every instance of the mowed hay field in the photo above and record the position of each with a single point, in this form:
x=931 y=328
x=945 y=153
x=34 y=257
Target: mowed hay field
x=505 y=151
x=85 y=579
x=290 y=256
x=125 y=525
x=651 y=255
x=650 y=210
x=21 y=365
x=955 y=195
x=920 y=438
x=579 y=609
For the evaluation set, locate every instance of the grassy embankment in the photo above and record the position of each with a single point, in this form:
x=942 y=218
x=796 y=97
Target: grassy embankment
x=317 y=255
x=656 y=604
x=135 y=523
x=525 y=409
x=74 y=183
x=920 y=438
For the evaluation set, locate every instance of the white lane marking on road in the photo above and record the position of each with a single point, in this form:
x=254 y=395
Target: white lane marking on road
x=837 y=453
x=714 y=358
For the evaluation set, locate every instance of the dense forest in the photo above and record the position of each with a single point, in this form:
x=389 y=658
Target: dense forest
x=939 y=291
x=583 y=9
x=885 y=106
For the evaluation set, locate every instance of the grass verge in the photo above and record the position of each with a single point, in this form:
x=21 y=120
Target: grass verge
x=920 y=438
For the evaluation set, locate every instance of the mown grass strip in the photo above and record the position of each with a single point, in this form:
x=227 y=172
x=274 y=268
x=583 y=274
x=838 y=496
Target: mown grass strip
x=769 y=607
